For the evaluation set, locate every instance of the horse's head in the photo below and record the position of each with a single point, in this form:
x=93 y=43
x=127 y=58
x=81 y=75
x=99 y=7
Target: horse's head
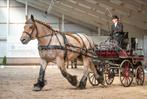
x=30 y=31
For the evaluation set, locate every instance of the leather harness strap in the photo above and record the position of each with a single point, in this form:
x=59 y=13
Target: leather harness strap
x=73 y=36
x=61 y=47
x=40 y=47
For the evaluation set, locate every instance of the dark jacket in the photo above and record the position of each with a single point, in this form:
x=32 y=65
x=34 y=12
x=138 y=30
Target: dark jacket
x=117 y=33
x=117 y=29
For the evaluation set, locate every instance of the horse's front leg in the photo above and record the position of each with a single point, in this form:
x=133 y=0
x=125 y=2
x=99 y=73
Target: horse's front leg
x=41 y=82
x=83 y=80
x=71 y=79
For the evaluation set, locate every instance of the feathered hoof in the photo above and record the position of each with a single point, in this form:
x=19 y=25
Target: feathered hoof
x=39 y=85
x=81 y=86
x=101 y=80
x=74 y=81
x=36 y=88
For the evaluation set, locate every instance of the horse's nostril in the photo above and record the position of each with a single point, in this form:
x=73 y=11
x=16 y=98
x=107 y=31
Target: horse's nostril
x=23 y=39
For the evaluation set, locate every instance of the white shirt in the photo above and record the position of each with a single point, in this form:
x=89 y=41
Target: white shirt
x=115 y=24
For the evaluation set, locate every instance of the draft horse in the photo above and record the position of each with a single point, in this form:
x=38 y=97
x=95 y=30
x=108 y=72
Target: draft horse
x=59 y=47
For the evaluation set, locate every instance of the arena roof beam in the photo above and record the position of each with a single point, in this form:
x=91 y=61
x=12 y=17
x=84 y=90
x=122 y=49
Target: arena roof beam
x=90 y=19
x=130 y=21
x=88 y=11
x=80 y=10
x=131 y=14
x=77 y=16
x=103 y=26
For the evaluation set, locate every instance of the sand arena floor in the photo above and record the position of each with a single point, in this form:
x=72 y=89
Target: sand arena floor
x=16 y=82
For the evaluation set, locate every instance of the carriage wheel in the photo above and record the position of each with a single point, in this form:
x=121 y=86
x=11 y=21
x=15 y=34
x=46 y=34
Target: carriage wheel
x=140 y=75
x=93 y=81
x=126 y=73
x=108 y=75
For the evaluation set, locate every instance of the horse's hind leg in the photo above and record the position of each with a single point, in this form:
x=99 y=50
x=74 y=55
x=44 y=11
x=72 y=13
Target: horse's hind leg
x=100 y=78
x=71 y=79
x=41 y=82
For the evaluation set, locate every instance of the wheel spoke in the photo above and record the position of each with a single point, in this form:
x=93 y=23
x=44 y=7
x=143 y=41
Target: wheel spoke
x=126 y=74
x=123 y=78
x=108 y=77
x=140 y=75
x=93 y=81
x=91 y=75
x=129 y=79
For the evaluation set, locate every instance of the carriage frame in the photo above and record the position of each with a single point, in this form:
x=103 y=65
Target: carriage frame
x=112 y=61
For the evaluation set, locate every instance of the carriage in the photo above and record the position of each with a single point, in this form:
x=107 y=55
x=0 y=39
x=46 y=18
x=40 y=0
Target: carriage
x=111 y=61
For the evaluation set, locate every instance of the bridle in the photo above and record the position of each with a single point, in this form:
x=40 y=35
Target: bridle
x=35 y=27
x=30 y=34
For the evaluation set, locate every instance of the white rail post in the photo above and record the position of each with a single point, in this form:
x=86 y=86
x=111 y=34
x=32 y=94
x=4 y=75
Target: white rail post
x=26 y=10
x=62 y=28
x=8 y=21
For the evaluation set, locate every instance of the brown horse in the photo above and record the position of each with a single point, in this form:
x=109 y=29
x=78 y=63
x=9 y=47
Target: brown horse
x=59 y=47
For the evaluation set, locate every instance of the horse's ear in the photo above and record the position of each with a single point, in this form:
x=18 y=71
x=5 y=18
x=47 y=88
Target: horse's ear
x=32 y=17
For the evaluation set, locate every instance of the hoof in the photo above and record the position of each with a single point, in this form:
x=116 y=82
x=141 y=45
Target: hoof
x=36 y=88
x=74 y=80
x=39 y=85
x=82 y=86
x=101 y=80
